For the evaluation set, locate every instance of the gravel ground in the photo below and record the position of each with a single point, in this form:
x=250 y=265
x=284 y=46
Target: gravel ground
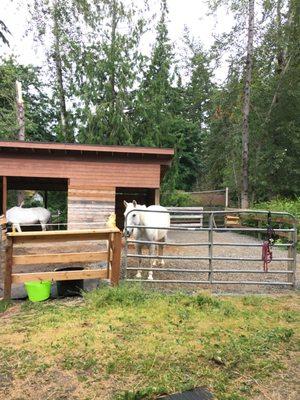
x=218 y=251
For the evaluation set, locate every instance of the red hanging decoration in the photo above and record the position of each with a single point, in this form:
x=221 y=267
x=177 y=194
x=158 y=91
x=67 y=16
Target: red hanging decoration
x=267 y=254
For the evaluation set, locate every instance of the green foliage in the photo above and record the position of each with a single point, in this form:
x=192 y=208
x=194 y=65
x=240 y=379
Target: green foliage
x=176 y=199
x=122 y=295
x=38 y=109
x=4 y=305
x=147 y=393
x=274 y=122
x=58 y=206
x=106 y=73
x=114 y=94
x=291 y=206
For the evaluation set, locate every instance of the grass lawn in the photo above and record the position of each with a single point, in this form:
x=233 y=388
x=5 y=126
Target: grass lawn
x=129 y=343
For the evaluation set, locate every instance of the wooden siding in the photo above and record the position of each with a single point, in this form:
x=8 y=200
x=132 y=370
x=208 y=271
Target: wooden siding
x=89 y=173
x=89 y=208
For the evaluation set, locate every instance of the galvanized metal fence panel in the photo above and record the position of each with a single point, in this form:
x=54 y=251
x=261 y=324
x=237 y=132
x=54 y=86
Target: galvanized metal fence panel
x=211 y=271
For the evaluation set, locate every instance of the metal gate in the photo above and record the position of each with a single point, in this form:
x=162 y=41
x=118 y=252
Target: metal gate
x=209 y=221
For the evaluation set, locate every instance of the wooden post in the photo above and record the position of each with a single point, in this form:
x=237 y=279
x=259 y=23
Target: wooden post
x=4 y=194
x=226 y=197
x=8 y=269
x=157 y=197
x=109 y=250
x=20 y=111
x=116 y=260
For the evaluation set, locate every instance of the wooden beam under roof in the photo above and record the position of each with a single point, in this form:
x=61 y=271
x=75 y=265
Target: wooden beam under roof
x=88 y=148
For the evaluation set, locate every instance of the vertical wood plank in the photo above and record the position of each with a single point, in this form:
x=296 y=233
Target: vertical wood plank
x=157 y=196
x=226 y=197
x=116 y=260
x=8 y=269
x=109 y=250
x=4 y=194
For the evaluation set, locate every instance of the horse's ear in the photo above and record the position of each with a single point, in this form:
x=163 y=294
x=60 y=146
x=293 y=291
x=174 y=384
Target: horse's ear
x=125 y=203
x=134 y=203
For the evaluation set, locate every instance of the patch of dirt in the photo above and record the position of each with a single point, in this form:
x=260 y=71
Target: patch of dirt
x=15 y=309
x=54 y=385
x=60 y=385
x=284 y=386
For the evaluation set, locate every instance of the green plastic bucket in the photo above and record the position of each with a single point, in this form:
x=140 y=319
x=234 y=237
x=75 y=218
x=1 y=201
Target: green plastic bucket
x=38 y=291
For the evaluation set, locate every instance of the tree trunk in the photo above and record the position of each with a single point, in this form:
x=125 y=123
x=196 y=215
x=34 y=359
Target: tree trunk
x=280 y=49
x=64 y=121
x=246 y=108
x=113 y=51
x=112 y=77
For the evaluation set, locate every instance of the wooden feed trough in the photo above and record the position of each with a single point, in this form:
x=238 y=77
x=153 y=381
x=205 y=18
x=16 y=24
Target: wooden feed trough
x=112 y=256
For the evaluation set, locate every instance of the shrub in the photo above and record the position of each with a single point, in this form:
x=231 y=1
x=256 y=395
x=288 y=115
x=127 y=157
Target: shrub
x=176 y=199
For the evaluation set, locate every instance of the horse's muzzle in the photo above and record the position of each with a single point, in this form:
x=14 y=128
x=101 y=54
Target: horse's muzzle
x=127 y=232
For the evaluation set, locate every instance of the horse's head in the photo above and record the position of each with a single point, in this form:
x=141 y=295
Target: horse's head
x=132 y=218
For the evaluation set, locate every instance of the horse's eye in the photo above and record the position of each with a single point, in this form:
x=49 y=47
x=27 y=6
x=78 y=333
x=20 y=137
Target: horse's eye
x=134 y=215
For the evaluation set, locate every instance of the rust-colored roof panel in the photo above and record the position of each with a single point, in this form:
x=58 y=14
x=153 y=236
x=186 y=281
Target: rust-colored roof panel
x=74 y=147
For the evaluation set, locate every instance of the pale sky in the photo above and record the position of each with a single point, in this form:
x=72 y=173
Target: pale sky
x=192 y=13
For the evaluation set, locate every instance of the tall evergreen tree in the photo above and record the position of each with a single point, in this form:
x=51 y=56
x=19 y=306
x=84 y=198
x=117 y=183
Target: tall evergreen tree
x=153 y=100
x=197 y=112
x=106 y=74
x=57 y=25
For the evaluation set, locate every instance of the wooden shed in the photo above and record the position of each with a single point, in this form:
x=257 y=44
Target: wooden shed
x=96 y=178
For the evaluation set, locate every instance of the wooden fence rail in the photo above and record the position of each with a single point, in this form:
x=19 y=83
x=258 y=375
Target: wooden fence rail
x=112 y=256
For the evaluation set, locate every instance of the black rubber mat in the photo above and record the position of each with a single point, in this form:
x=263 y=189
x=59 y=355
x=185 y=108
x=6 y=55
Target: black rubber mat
x=195 y=394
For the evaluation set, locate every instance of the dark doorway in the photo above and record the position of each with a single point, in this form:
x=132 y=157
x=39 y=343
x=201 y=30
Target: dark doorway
x=52 y=193
x=142 y=196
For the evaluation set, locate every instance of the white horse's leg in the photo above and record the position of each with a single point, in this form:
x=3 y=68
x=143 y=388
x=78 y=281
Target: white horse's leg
x=161 y=252
x=155 y=262
x=18 y=227
x=43 y=223
x=139 y=251
x=151 y=252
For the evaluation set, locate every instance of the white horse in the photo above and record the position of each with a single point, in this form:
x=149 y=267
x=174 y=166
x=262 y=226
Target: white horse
x=155 y=219
x=18 y=216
